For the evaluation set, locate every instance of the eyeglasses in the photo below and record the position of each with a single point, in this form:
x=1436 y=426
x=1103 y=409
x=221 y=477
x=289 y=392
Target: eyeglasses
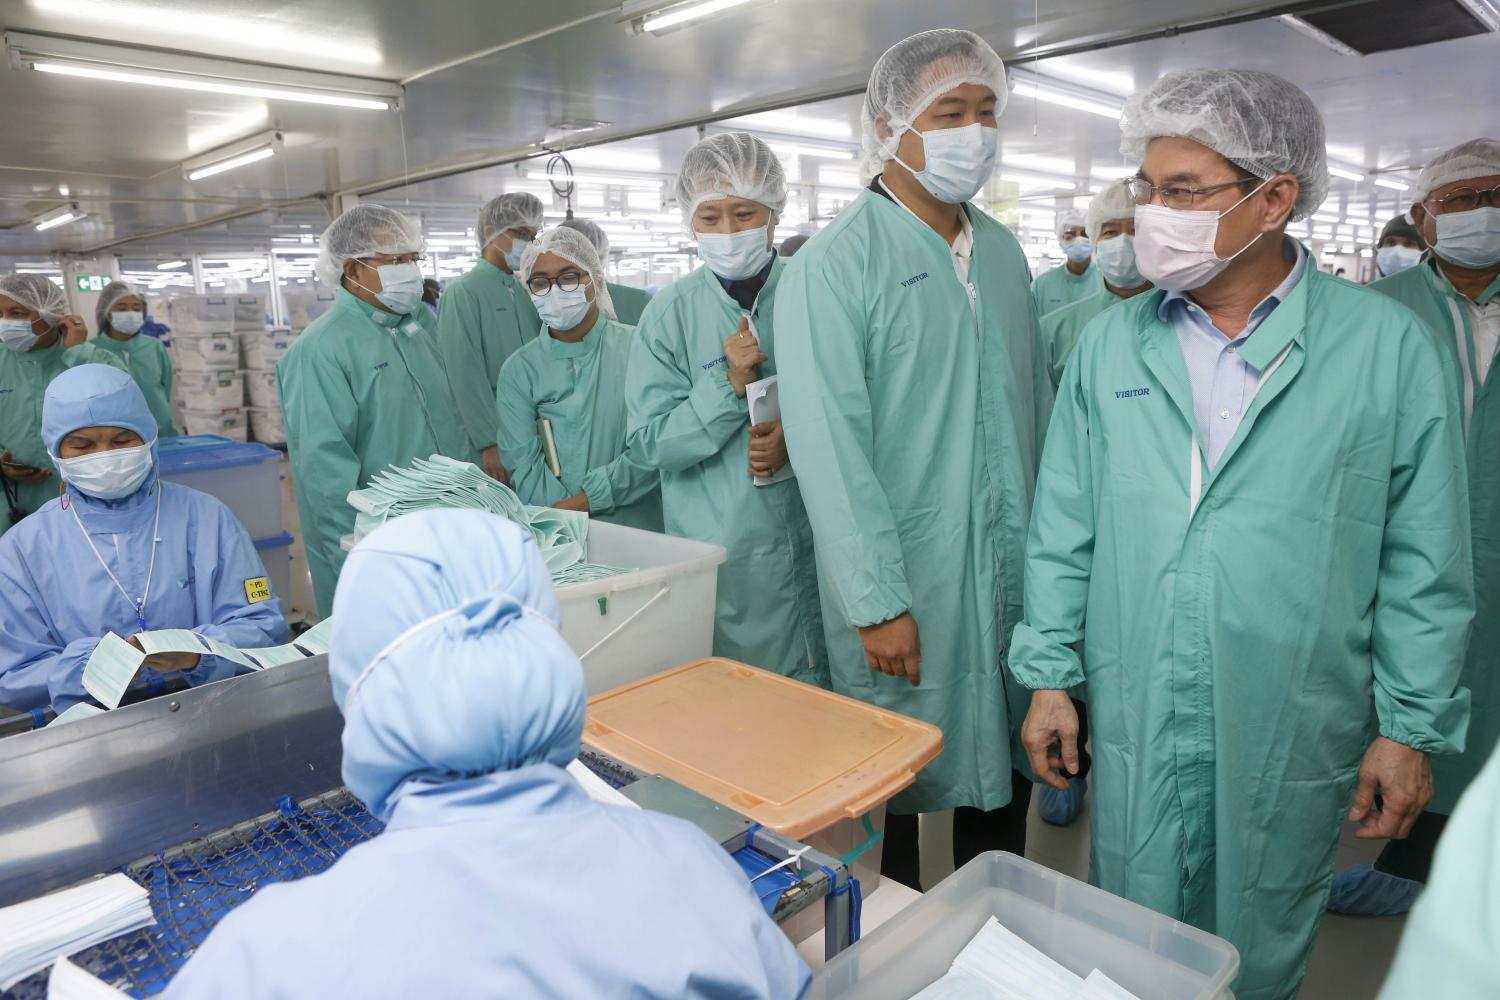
x=384 y=260
x=1175 y=195
x=1467 y=199
x=568 y=281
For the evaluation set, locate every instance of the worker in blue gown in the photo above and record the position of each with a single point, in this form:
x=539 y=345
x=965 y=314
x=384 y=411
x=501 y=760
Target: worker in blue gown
x=120 y=551
x=496 y=875
x=1252 y=512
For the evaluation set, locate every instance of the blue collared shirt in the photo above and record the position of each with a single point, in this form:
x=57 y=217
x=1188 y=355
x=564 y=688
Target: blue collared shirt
x=1223 y=383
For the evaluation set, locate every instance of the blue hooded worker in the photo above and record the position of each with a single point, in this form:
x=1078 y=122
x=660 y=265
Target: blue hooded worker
x=496 y=874
x=120 y=551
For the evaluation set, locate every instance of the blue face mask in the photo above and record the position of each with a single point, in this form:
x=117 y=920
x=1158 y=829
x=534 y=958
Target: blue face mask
x=16 y=334
x=736 y=256
x=128 y=323
x=107 y=475
x=1396 y=258
x=400 y=287
x=1469 y=239
x=1116 y=261
x=562 y=310
x=959 y=162
x=514 y=254
x=1078 y=249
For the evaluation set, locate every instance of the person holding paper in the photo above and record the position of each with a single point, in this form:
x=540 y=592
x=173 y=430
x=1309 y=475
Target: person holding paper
x=701 y=343
x=496 y=875
x=915 y=399
x=573 y=378
x=120 y=552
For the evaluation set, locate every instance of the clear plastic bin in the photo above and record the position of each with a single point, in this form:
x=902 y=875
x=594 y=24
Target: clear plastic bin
x=190 y=314
x=304 y=305
x=808 y=763
x=205 y=353
x=261 y=389
x=216 y=390
x=263 y=349
x=276 y=553
x=228 y=424
x=657 y=616
x=249 y=312
x=1073 y=923
x=245 y=477
x=267 y=425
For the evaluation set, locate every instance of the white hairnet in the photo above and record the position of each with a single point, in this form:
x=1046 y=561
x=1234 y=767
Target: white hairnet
x=574 y=247
x=1475 y=158
x=517 y=210
x=114 y=292
x=730 y=164
x=38 y=293
x=1115 y=202
x=365 y=231
x=917 y=71
x=594 y=232
x=1257 y=121
x=1070 y=219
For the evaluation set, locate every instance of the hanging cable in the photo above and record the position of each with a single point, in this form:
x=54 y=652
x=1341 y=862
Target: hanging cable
x=560 y=176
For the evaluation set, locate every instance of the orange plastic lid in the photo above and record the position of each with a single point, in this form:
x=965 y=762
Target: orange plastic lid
x=789 y=755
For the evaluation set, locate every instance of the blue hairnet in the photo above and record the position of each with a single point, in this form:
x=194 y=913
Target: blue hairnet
x=446 y=660
x=94 y=396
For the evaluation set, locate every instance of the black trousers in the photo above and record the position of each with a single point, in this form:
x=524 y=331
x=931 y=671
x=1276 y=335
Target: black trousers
x=975 y=831
x=1412 y=858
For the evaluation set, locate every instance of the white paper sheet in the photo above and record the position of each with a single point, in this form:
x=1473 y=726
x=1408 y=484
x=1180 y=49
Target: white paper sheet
x=38 y=932
x=765 y=407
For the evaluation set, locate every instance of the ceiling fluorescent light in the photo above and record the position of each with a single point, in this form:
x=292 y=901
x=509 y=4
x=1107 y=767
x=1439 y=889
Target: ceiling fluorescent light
x=57 y=217
x=798 y=149
x=1393 y=185
x=172 y=265
x=1317 y=34
x=177 y=71
x=654 y=16
x=614 y=180
x=1345 y=173
x=1024 y=83
x=236 y=154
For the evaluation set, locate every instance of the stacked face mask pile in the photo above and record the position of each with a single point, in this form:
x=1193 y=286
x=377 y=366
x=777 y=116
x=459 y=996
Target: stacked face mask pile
x=998 y=965
x=444 y=482
x=34 y=934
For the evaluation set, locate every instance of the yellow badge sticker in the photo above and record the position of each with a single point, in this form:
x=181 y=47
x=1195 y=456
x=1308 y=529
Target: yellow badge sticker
x=257 y=589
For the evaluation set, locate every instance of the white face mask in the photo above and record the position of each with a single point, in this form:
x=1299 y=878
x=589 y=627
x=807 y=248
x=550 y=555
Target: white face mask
x=1469 y=239
x=562 y=310
x=107 y=475
x=400 y=287
x=736 y=256
x=16 y=334
x=959 y=161
x=128 y=323
x=1396 y=258
x=1115 y=258
x=1078 y=249
x=1176 y=249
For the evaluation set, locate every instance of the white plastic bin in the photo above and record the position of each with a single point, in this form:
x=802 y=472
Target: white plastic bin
x=249 y=312
x=205 y=353
x=267 y=425
x=217 y=390
x=263 y=349
x=190 y=314
x=276 y=553
x=305 y=305
x=229 y=424
x=261 y=389
x=1073 y=923
x=245 y=477
x=658 y=616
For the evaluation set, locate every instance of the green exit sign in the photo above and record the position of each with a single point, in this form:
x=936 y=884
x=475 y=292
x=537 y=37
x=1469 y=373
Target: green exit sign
x=93 y=282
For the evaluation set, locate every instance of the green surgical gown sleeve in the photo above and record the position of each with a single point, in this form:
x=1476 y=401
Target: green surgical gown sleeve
x=678 y=424
x=460 y=327
x=863 y=570
x=520 y=444
x=1424 y=599
x=1451 y=947
x=623 y=480
x=1060 y=548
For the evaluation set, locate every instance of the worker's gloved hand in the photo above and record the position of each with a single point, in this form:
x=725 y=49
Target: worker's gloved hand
x=74 y=331
x=1050 y=736
x=1402 y=777
x=742 y=353
x=894 y=648
x=768 y=453
x=490 y=457
x=21 y=472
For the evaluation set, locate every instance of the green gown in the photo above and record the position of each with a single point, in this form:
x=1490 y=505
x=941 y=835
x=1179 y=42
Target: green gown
x=483 y=318
x=1242 y=654
x=361 y=390
x=580 y=389
x=915 y=424
x=1060 y=287
x=629 y=302
x=1430 y=296
x=687 y=421
x=147 y=361
x=1059 y=329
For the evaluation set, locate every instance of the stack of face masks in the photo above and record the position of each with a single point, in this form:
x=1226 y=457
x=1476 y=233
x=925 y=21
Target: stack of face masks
x=37 y=932
x=444 y=482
